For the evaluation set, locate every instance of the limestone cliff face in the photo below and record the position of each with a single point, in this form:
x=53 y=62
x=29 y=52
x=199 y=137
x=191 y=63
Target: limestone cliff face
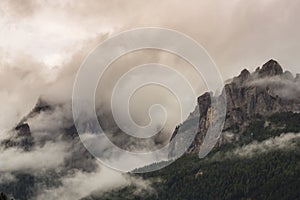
x=264 y=92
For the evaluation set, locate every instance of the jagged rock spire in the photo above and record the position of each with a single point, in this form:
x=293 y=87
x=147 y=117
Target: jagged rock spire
x=271 y=68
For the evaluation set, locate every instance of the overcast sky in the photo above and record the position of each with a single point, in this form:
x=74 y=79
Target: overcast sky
x=237 y=33
x=41 y=38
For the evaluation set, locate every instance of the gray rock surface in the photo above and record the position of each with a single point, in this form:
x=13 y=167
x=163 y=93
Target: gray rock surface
x=264 y=92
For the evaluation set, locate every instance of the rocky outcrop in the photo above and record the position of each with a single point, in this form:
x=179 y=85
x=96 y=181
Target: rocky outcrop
x=22 y=139
x=271 y=68
x=250 y=95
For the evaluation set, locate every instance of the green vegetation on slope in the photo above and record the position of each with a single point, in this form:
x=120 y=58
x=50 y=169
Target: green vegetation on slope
x=271 y=175
x=262 y=129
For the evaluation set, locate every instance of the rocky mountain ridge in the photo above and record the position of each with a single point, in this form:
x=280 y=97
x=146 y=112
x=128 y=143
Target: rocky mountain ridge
x=266 y=91
x=261 y=93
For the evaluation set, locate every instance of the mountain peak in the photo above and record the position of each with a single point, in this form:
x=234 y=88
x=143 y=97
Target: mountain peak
x=271 y=68
x=41 y=105
x=245 y=74
x=249 y=98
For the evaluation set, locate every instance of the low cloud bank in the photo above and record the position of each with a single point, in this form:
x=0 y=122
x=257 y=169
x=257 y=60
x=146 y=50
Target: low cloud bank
x=285 y=141
x=81 y=184
x=50 y=156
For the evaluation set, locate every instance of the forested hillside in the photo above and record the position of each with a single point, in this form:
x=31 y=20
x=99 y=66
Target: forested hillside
x=233 y=171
